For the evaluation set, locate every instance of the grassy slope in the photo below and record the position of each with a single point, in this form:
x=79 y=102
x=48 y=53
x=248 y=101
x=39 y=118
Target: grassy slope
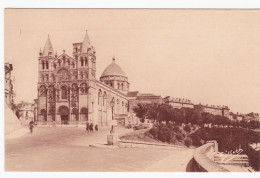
x=144 y=135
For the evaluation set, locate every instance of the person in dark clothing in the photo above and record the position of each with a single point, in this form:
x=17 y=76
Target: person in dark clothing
x=96 y=127
x=91 y=127
x=31 y=126
x=87 y=127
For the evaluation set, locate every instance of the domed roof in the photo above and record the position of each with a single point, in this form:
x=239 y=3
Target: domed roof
x=113 y=70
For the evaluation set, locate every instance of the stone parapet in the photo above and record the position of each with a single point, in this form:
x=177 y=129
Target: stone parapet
x=203 y=160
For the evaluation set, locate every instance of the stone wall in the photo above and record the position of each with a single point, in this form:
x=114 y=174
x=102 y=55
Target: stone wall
x=202 y=157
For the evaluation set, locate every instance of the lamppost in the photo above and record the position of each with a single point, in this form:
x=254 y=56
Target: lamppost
x=112 y=104
x=112 y=139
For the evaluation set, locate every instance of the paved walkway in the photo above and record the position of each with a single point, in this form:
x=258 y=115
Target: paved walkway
x=67 y=149
x=176 y=162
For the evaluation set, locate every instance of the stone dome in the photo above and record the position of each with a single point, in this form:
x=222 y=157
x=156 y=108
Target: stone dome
x=113 y=70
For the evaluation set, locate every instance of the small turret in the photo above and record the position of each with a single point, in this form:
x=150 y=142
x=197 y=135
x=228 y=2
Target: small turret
x=40 y=52
x=48 y=50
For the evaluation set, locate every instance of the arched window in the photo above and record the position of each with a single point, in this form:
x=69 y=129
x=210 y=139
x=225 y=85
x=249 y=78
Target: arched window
x=64 y=60
x=118 y=86
x=54 y=66
x=42 y=78
x=81 y=60
x=117 y=106
x=59 y=62
x=104 y=99
x=47 y=77
x=47 y=65
x=127 y=108
x=63 y=92
x=81 y=75
x=99 y=97
x=73 y=65
x=122 y=86
x=42 y=64
x=86 y=61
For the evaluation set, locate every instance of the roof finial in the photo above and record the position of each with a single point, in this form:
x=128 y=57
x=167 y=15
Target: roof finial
x=113 y=58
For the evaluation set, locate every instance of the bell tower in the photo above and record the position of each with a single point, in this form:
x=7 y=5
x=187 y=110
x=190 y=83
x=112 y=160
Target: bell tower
x=85 y=55
x=44 y=61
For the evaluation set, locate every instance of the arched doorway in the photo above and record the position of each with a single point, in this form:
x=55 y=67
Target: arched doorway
x=64 y=114
x=84 y=114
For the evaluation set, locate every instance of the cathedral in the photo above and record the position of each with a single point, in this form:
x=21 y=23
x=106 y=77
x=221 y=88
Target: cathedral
x=70 y=93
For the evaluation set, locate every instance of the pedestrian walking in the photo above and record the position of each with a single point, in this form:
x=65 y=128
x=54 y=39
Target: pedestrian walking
x=96 y=127
x=91 y=127
x=31 y=126
x=87 y=127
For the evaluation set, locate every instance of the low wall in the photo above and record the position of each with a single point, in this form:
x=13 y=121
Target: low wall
x=141 y=144
x=202 y=156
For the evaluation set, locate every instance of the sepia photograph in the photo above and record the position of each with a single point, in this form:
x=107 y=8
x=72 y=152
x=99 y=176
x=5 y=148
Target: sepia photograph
x=132 y=90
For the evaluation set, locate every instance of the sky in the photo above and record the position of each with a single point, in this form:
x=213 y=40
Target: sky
x=208 y=56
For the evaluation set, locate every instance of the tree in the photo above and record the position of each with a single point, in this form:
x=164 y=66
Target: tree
x=153 y=112
x=165 y=113
x=141 y=111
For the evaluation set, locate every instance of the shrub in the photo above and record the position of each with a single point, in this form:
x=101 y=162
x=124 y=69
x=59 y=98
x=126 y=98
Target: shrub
x=196 y=140
x=142 y=120
x=179 y=137
x=176 y=129
x=173 y=139
x=187 y=128
x=169 y=126
x=254 y=157
x=188 y=142
x=164 y=134
x=154 y=132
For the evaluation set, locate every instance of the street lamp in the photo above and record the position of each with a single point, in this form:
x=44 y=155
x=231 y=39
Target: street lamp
x=112 y=139
x=112 y=104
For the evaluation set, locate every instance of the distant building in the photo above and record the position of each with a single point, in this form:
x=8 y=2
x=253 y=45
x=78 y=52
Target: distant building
x=216 y=110
x=135 y=97
x=251 y=117
x=26 y=111
x=9 y=92
x=12 y=123
x=35 y=109
x=178 y=102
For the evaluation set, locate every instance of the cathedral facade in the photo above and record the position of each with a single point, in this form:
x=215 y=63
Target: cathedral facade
x=70 y=93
